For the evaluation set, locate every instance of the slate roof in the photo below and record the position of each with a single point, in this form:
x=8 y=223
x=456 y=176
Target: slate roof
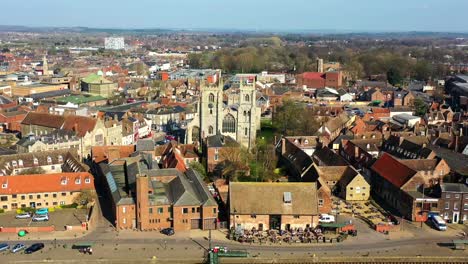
x=456 y=161
x=329 y=157
x=454 y=187
x=39 y=96
x=219 y=141
x=263 y=198
x=145 y=145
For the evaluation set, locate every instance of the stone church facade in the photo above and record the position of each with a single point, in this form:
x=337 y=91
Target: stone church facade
x=237 y=120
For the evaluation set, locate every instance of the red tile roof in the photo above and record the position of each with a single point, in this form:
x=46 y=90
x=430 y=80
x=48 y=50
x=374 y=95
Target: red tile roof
x=38 y=183
x=79 y=124
x=43 y=119
x=393 y=170
x=313 y=75
x=102 y=153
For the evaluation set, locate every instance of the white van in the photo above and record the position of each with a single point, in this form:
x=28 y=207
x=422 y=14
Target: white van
x=326 y=218
x=439 y=223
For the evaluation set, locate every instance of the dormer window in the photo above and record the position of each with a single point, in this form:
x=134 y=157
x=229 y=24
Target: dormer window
x=77 y=181
x=49 y=160
x=13 y=163
x=87 y=180
x=63 y=181
x=4 y=185
x=35 y=161
x=306 y=141
x=287 y=197
x=60 y=158
x=20 y=163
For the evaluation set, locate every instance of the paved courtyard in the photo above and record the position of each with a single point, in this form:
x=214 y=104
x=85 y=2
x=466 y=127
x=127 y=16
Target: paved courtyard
x=59 y=219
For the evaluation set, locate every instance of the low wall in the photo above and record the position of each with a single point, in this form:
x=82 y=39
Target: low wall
x=29 y=229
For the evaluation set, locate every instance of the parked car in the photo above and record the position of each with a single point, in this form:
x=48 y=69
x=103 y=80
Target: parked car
x=40 y=218
x=23 y=216
x=18 y=247
x=34 y=247
x=438 y=223
x=42 y=211
x=326 y=218
x=168 y=231
x=4 y=247
x=394 y=220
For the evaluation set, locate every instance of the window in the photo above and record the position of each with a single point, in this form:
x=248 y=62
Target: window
x=14 y=196
x=23 y=197
x=49 y=160
x=64 y=194
x=38 y=196
x=124 y=221
x=54 y=203
x=35 y=161
x=150 y=210
x=216 y=157
x=246 y=131
x=185 y=210
x=211 y=98
x=4 y=198
x=253 y=216
x=455 y=206
x=87 y=180
x=46 y=195
x=124 y=209
x=320 y=202
x=447 y=196
x=193 y=210
x=31 y=197
x=457 y=196
x=54 y=195
x=39 y=204
x=52 y=167
x=160 y=210
x=62 y=202
x=20 y=163
x=229 y=124
x=60 y=159
x=214 y=210
x=4 y=186
x=465 y=206
x=64 y=182
x=210 y=130
x=247 y=98
x=287 y=197
x=198 y=209
x=78 y=181
x=297 y=216
x=5 y=207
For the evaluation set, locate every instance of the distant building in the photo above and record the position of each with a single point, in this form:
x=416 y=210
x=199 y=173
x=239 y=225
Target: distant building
x=114 y=43
x=318 y=80
x=96 y=84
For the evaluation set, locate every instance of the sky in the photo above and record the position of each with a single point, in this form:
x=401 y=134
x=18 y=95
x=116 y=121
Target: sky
x=270 y=15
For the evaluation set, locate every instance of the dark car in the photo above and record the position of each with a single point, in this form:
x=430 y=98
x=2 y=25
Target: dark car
x=168 y=231
x=33 y=248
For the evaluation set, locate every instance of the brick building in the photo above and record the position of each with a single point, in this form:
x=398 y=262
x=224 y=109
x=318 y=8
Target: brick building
x=320 y=80
x=453 y=203
x=273 y=205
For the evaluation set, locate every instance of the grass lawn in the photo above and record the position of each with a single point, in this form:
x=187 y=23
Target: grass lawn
x=267 y=134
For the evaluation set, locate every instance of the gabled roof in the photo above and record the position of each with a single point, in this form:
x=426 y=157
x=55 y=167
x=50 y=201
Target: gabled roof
x=38 y=183
x=43 y=119
x=393 y=170
x=80 y=124
x=265 y=198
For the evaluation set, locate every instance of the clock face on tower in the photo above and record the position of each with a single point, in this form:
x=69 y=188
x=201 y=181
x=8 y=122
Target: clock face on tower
x=210 y=105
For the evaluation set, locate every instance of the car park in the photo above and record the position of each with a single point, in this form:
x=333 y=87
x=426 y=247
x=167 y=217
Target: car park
x=4 y=247
x=168 y=231
x=33 y=248
x=40 y=218
x=23 y=216
x=18 y=247
x=42 y=211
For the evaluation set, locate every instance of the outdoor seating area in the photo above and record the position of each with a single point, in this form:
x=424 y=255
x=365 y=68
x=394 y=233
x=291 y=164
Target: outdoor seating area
x=295 y=235
x=364 y=210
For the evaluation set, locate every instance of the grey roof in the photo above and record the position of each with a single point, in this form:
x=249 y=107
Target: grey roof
x=219 y=141
x=456 y=161
x=39 y=96
x=145 y=145
x=5 y=100
x=454 y=187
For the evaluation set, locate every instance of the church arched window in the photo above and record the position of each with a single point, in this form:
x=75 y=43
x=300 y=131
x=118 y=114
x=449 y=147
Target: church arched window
x=211 y=98
x=247 y=98
x=210 y=130
x=229 y=124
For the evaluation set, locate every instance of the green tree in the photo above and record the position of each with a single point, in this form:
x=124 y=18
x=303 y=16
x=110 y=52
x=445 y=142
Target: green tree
x=34 y=170
x=198 y=167
x=394 y=76
x=420 y=107
x=85 y=197
x=422 y=70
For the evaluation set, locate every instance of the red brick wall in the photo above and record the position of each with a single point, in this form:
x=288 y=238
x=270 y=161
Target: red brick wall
x=311 y=83
x=327 y=201
x=333 y=79
x=128 y=215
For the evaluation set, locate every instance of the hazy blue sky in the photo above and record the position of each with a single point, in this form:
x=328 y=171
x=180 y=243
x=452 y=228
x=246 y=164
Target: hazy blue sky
x=355 y=15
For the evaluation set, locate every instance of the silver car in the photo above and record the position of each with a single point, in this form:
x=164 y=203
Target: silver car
x=18 y=247
x=23 y=216
x=40 y=218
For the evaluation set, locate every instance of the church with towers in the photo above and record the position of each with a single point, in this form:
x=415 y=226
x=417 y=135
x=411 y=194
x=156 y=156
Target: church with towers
x=231 y=113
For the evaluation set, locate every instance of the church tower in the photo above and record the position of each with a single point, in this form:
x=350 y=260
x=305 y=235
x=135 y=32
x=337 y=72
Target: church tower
x=246 y=115
x=210 y=107
x=45 y=66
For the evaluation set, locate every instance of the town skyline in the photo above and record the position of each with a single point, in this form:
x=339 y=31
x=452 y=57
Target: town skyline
x=356 y=16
